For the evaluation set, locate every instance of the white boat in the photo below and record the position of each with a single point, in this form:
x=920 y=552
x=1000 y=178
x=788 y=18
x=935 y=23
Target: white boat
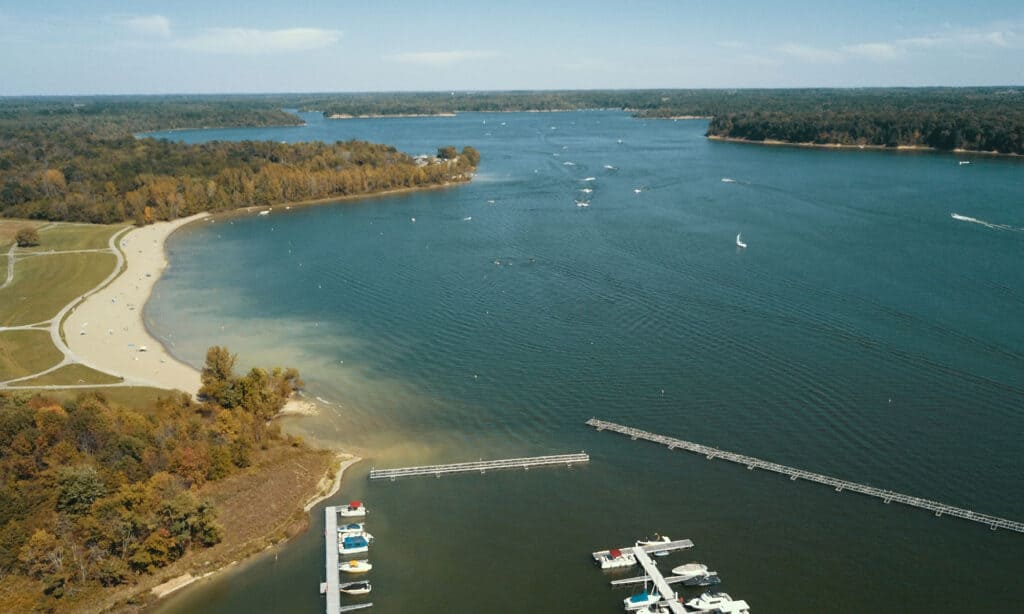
x=696 y=574
x=658 y=539
x=963 y=162
x=610 y=167
x=739 y=241
x=615 y=559
x=590 y=179
x=267 y=212
x=354 y=509
x=364 y=534
x=637 y=190
x=353 y=544
x=355 y=567
x=728 y=180
x=587 y=190
x=582 y=204
x=641 y=600
x=352 y=527
x=361 y=587
x=718 y=602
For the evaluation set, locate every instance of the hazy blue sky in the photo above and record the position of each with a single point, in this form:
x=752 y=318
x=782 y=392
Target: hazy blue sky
x=141 y=46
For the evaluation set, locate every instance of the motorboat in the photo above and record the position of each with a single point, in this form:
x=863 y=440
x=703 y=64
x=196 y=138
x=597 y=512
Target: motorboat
x=361 y=587
x=658 y=539
x=718 y=602
x=739 y=241
x=351 y=527
x=696 y=574
x=353 y=544
x=641 y=600
x=354 y=566
x=615 y=559
x=354 y=509
x=582 y=204
x=363 y=534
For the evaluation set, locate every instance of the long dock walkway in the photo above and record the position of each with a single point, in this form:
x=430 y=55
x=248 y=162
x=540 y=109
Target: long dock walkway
x=331 y=545
x=994 y=522
x=668 y=596
x=480 y=466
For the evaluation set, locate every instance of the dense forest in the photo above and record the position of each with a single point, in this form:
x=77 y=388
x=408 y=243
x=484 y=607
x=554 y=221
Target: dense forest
x=92 y=494
x=65 y=160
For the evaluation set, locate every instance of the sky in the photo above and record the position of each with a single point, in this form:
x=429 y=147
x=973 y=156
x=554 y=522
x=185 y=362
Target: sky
x=236 y=46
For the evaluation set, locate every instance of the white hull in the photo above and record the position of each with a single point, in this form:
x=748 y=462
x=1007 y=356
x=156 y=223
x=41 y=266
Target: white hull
x=359 y=512
x=356 y=588
x=355 y=567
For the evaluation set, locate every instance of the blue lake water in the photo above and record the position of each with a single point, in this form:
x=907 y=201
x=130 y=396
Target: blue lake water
x=863 y=333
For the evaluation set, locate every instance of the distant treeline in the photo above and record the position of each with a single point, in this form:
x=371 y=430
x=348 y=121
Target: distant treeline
x=61 y=161
x=93 y=495
x=978 y=119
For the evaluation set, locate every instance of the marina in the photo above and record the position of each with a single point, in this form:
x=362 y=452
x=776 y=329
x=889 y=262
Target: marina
x=653 y=573
x=481 y=466
x=332 y=587
x=751 y=463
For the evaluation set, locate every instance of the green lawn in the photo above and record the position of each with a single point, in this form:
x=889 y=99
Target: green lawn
x=24 y=352
x=44 y=284
x=65 y=237
x=72 y=375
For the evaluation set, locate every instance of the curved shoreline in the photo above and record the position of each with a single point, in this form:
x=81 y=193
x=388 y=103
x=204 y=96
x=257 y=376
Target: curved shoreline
x=108 y=331
x=914 y=148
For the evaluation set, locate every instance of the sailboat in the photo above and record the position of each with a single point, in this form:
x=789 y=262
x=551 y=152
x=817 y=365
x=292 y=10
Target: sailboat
x=739 y=241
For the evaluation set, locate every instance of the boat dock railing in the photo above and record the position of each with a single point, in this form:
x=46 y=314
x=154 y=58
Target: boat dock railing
x=480 y=466
x=994 y=522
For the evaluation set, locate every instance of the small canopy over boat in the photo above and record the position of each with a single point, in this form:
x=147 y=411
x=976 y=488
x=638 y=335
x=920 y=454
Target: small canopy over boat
x=640 y=598
x=615 y=553
x=355 y=504
x=354 y=541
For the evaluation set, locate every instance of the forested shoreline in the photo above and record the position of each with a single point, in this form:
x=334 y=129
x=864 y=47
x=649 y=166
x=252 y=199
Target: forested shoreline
x=75 y=158
x=69 y=161
x=94 y=495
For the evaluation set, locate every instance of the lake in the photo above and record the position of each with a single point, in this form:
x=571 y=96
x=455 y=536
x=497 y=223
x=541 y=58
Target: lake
x=864 y=333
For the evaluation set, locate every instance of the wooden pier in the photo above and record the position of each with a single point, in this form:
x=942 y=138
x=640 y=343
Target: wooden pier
x=669 y=579
x=481 y=466
x=750 y=462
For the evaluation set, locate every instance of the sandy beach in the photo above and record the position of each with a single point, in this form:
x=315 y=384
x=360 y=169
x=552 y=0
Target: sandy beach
x=107 y=330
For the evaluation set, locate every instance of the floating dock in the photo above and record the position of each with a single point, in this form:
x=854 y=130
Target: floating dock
x=333 y=585
x=669 y=579
x=331 y=545
x=994 y=522
x=653 y=573
x=481 y=466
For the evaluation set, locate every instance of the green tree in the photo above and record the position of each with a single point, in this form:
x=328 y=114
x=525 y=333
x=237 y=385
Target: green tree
x=218 y=377
x=447 y=153
x=77 y=488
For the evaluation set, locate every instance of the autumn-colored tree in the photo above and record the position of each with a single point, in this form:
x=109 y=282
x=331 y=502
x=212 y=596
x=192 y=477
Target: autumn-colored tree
x=27 y=236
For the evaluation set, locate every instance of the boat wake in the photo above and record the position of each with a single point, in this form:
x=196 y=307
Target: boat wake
x=974 y=220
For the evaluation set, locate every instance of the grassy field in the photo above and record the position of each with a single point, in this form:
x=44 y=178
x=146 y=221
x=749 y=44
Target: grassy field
x=65 y=237
x=44 y=284
x=24 y=352
x=9 y=228
x=72 y=375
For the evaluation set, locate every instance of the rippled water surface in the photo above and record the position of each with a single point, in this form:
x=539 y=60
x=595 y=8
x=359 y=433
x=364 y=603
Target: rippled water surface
x=865 y=333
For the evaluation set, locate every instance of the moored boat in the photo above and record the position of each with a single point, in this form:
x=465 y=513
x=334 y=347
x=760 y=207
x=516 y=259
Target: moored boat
x=718 y=602
x=361 y=587
x=641 y=600
x=739 y=241
x=352 y=527
x=353 y=509
x=353 y=544
x=616 y=559
x=696 y=574
x=658 y=539
x=354 y=566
